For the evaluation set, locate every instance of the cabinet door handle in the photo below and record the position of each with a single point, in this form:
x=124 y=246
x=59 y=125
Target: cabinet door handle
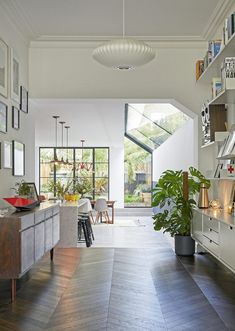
x=230 y=227
x=210 y=241
x=210 y=229
x=210 y=218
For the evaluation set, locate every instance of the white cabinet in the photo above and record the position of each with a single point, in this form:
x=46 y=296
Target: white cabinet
x=215 y=235
x=227 y=244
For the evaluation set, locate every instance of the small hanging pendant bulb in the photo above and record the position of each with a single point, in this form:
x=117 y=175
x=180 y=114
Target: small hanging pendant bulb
x=62 y=139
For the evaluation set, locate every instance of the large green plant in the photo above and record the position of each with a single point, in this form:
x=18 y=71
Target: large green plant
x=175 y=211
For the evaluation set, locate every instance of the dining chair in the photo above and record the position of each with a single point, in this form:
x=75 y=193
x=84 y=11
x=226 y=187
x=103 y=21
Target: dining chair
x=101 y=208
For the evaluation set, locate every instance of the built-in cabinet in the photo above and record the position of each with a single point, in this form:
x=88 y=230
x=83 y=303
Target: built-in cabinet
x=25 y=238
x=215 y=232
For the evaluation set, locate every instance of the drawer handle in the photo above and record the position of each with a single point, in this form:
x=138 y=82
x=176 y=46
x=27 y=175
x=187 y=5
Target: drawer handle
x=210 y=241
x=231 y=228
x=210 y=230
x=210 y=218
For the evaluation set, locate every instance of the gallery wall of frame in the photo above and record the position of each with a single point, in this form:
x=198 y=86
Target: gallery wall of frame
x=13 y=110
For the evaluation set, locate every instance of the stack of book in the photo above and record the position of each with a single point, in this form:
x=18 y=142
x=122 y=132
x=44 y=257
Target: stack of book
x=214 y=47
x=228 y=29
x=216 y=86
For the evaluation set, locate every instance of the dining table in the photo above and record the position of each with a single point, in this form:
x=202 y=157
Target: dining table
x=110 y=204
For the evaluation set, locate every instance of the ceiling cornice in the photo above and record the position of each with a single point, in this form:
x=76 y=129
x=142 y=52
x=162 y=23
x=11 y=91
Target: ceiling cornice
x=108 y=38
x=93 y=44
x=217 y=18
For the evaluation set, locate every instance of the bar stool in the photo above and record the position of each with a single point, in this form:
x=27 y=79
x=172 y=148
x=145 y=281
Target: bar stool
x=84 y=222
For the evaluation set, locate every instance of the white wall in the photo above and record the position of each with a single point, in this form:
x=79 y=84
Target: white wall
x=99 y=122
x=175 y=153
x=10 y=35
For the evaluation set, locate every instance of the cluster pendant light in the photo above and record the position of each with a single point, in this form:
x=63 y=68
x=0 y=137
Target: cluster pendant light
x=124 y=53
x=56 y=161
x=84 y=165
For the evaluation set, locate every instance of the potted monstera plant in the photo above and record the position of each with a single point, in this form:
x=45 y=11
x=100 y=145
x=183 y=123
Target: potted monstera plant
x=173 y=197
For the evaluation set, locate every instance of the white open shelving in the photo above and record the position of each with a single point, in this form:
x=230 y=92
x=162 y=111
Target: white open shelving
x=214 y=67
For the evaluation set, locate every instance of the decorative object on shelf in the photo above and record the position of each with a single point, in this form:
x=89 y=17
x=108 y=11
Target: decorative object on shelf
x=203 y=200
x=6 y=154
x=173 y=196
x=125 y=53
x=227 y=150
x=215 y=204
x=24 y=100
x=230 y=170
x=72 y=197
x=15 y=118
x=84 y=165
x=217 y=170
x=15 y=76
x=3 y=117
x=3 y=69
x=67 y=145
x=216 y=86
x=214 y=119
x=18 y=158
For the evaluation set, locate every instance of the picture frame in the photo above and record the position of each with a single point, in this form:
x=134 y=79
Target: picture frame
x=15 y=118
x=6 y=154
x=33 y=192
x=18 y=158
x=15 y=76
x=3 y=117
x=3 y=69
x=24 y=99
x=217 y=170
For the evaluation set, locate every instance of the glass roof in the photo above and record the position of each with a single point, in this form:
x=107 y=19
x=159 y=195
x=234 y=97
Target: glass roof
x=151 y=124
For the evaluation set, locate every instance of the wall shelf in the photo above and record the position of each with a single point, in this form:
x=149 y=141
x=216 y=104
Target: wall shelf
x=212 y=69
x=224 y=97
x=222 y=178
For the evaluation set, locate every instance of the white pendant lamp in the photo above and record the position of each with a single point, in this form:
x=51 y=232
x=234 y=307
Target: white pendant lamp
x=125 y=53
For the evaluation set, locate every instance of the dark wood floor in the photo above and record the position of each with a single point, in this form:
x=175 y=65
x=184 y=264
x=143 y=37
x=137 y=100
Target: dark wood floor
x=122 y=289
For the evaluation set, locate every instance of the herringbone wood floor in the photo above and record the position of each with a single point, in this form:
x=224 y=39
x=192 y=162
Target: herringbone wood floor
x=122 y=289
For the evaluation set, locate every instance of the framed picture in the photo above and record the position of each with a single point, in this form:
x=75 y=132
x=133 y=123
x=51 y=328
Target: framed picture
x=15 y=77
x=3 y=117
x=217 y=170
x=15 y=118
x=24 y=99
x=6 y=153
x=3 y=68
x=18 y=158
x=33 y=194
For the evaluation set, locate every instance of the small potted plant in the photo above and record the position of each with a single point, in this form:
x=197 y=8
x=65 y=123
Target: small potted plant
x=175 y=203
x=22 y=189
x=82 y=186
x=59 y=189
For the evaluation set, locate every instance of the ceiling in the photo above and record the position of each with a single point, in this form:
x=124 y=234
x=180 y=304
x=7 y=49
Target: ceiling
x=102 y=19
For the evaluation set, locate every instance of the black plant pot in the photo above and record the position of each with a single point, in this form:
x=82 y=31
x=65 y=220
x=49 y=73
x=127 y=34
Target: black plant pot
x=184 y=245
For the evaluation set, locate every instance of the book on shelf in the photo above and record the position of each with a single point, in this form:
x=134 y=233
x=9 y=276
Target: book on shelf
x=216 y=86
x=214 y=47
x=199 y=68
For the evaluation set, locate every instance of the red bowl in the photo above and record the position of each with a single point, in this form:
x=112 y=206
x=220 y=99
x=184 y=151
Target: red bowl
x=19 y=202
